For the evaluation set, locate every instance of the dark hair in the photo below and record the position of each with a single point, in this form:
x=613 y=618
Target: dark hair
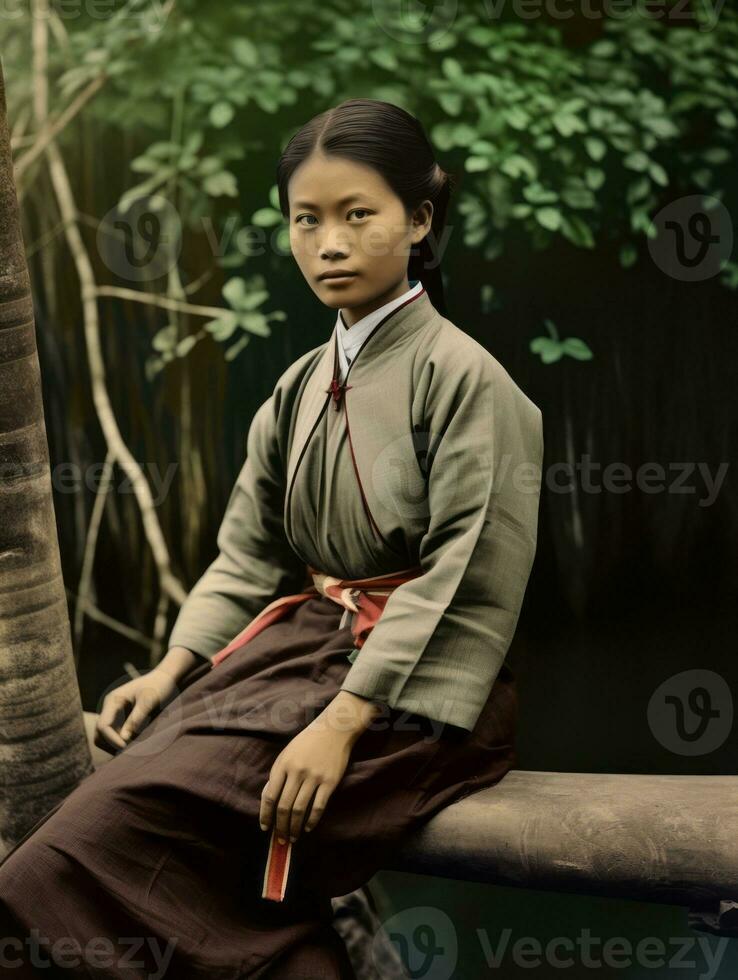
x=393 y=142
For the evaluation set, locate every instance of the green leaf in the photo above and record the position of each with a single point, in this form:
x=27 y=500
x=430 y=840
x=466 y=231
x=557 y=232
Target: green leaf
x=578 y=197
x=636 y=161
x=595 y=178
x=717 y=155
x=450 y=102
x=548 y=350
x=384 y=58
x=595 y=147
x=464 y=135
x=661 y=126
x=727 y=119
x=223 y=327
x=440 y=41
x=234 y=292
x=567 y=124
x=658 y=174
x=144 y=165
x=475 y=236
x=516 y=117
x=603 y=49
x=245 y=52
x=152 y=367
x=577 y=231
x=266 y=217
x=219 y=184
x=235 y=349
x=253 y=299
x=549 y=218
x=193 y=143
x=637 y=190
x=185 y=345
x=255 y=323
x=165 y=338
x=443 y=135
x=577 y=348
x=475 y=164
x=536 y=193
x=452 y=69
x=207 y=166
x=518 y=166
x=283 y=241
x=221 y=114
x=482 y=36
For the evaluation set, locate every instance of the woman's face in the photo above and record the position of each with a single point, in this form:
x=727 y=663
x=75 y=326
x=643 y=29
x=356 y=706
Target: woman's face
x=345 y=217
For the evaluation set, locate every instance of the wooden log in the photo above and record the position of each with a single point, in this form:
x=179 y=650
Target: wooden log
x=665 y=839
x=656 y=838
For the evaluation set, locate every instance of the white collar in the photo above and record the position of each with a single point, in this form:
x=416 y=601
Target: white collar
x=350 y=339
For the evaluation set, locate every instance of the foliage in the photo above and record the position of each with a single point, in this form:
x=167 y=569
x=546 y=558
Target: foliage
x=581 y=144
x=552 y=348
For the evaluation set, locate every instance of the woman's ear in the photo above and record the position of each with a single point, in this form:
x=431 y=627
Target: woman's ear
x=421 y=221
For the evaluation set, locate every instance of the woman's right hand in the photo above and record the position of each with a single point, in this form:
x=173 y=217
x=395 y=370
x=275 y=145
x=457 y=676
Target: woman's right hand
x=132 y=705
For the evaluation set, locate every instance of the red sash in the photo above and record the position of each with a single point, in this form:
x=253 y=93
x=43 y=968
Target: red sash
x=365 y=597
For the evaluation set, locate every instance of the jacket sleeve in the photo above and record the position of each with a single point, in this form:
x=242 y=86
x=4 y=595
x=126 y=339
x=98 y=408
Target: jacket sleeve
x=442 y=637
x=255 y=563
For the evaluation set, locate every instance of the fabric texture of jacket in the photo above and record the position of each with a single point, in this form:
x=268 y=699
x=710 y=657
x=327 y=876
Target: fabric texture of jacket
x=429 y=454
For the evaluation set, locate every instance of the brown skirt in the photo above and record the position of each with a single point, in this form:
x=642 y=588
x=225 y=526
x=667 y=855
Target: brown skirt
x=153 y=865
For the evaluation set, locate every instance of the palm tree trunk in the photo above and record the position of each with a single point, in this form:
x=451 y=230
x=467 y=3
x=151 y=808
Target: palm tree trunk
x=43 y=749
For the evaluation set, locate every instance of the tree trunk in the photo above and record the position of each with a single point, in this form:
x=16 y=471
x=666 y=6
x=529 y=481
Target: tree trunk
x=43 y=749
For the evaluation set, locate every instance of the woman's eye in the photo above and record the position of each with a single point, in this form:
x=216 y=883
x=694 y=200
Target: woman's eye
x=298 y=220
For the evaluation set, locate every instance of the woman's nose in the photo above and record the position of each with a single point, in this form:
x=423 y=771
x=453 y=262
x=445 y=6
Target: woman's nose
x=334 y=243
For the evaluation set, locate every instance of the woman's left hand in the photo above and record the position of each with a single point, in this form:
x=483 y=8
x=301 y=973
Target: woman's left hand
x=308 y=769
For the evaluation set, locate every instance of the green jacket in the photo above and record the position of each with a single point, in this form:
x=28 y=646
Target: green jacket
x=434 y=457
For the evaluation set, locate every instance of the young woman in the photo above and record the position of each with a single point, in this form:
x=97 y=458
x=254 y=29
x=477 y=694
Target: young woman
x=337 y=675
